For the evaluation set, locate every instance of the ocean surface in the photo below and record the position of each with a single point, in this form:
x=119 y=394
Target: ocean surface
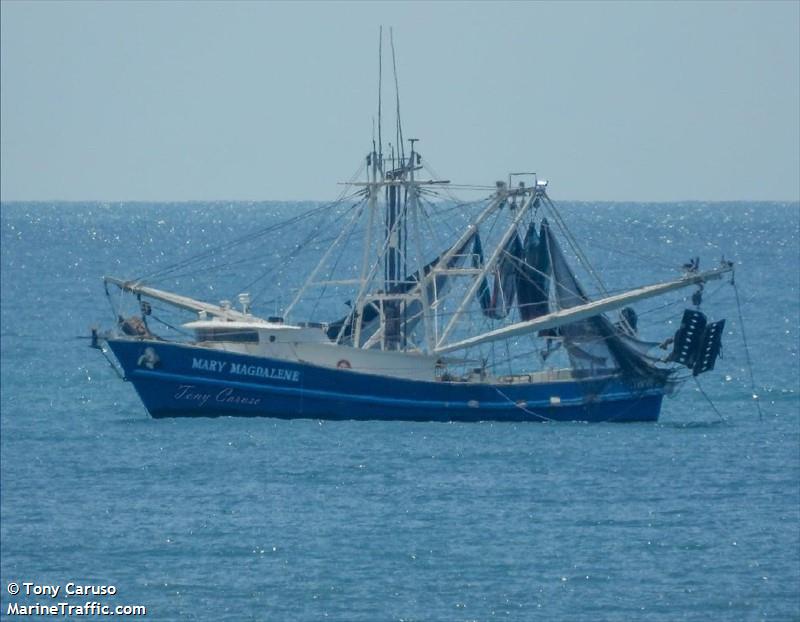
x=694 y=518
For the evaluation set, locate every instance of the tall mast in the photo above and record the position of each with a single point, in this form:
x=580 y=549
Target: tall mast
x=380 y=83
x=392 y=261
x=441 y=266
x=375 y=162
x=396 y=227
x=399 y=138
x=426 y=306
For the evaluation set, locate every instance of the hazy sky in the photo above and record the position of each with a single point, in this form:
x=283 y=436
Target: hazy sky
x=205 y=101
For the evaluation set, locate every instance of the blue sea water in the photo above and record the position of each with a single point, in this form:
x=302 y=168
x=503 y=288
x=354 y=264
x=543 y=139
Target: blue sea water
x=693 y=518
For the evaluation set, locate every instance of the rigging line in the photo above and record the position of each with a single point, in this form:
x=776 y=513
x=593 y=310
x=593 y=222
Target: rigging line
x=655 y=260
x=587 y=340
x=330 y=273
x=297 y=250
x=465 y=311
x=170 y=326
x=429 y=218
x=522 y=408
x=508 y=358
x=219 y=268
x=442 y=207
x=652 y=321
x=233 y=263
x=163 y=272
x=270 y=228
x=683 y=237
x=747 y=351
x=543 y=362
x=358 y=208
x=708 y=399
x=574 y=243
x=454 y=203
x=432 y=172
x=644 y=258
x=681 y=300
x=584 y=386
x=451 y=206
x=513 y=357
x=520 y=261
x=442 y=242
x=380 y=254
x=469 y=186
x=110 y=301
x=210 y=252
x=119 y=374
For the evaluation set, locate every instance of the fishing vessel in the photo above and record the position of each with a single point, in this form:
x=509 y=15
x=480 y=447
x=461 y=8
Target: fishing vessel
x=491 y=324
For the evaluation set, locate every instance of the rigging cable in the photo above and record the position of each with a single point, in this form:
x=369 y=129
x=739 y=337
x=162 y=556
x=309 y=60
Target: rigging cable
x=521 y=407
x=342 y=249
x=210 y=252
x=170 y=326
x=294 y=253
x=705 y=395
x=650 y=259
x=574 y=244
x=120 y=375
x=747 y=350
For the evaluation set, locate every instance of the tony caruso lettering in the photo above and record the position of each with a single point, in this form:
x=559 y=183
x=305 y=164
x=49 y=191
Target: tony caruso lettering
x=225 y=396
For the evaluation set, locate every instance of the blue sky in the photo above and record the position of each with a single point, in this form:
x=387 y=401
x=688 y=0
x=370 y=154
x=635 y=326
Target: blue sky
x=258 y=101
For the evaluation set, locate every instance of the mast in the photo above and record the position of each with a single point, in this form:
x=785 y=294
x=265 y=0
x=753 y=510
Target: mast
x=376 y=161
x=426 y=308
x=372 y=189
x=396 y=227
x=380 y=86
x=392 y=266
x=441 y=266
x=399 y=138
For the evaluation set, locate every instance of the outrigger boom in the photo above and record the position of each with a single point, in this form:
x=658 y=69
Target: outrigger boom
x=590 y=309
x=181 y=302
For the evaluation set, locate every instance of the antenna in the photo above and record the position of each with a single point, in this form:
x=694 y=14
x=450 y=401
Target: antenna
x=380 y=80
x=397 y=98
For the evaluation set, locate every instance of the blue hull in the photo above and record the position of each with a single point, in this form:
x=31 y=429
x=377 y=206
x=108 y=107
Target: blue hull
x=185 y=381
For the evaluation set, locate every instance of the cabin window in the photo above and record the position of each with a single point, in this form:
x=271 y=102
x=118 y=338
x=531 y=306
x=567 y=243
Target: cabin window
x=237 y=335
